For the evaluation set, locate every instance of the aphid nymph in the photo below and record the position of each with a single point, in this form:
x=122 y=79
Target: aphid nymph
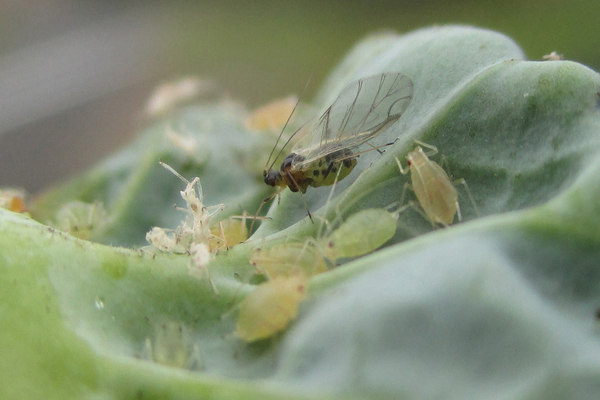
x=362 y=233
x=435 y=191
x=270 y=308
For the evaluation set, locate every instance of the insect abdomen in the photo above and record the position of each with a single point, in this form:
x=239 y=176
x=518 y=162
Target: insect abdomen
x=324 y=171
x=269 y=308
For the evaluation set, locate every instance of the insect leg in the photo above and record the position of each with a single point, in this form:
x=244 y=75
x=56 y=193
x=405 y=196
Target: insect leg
x=326 y=222
x=355 y=155
x=222 y=230
x=433 y=149
x=407 y=186
x=383 y=145
x=403 y=171
x=262 y=203
x=461 y=181
x=302 y=197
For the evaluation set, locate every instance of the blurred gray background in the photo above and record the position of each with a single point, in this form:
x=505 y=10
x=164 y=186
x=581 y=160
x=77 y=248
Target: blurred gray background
x=75 y=74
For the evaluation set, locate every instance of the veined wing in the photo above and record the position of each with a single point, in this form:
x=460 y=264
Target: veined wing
x=363 y=110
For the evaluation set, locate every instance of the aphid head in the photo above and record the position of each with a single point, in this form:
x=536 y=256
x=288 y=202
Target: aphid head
x=272 y=178
x=416 y=156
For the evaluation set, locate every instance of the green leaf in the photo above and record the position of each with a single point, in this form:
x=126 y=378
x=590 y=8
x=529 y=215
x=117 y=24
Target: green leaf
x=503 y=305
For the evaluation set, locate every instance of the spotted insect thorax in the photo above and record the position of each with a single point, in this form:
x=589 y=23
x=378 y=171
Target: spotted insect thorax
x=327 y=151
x=320 y=172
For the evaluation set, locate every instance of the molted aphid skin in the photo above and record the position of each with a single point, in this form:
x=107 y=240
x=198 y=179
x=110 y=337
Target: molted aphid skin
x=270 y=308
x=195 y=229
x=193 y=236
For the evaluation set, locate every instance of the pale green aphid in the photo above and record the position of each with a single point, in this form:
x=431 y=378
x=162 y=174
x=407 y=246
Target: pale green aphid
x=82 y=220
x=362 y=233
x=171 y=345
x=435 y=191
x=288 y=259
x=270 y=307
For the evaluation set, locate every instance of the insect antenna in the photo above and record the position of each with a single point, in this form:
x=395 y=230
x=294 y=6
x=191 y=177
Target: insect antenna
x=267 y=166
x=170 y=169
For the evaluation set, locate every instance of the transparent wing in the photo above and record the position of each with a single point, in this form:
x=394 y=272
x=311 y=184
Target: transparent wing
x=363 y=110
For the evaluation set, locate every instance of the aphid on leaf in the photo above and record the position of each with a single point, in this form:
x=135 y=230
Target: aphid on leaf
x=229 y=232
x=362 y=233
x=171 y=344
x=326 y=151
x=82 y=220
x=288 y=259
x=270 y=308
x=170 y=95
x=554 y=56
x=13 y=199
x=435 y=191
x=272 y=116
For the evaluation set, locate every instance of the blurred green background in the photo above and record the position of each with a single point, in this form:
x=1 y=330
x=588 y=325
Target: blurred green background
x=75 y=75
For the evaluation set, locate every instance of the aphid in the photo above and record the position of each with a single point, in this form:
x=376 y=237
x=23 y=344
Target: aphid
x=171 y=345
x=187 y=143
x=435 y=191
x=288 y=259
x=168 y=96
x=82 y=220
x=554 y=56
x=13 y=199
x=362 y=233
x=272 y=116
x=325 y=152
x=270 y=308
x=229 y=232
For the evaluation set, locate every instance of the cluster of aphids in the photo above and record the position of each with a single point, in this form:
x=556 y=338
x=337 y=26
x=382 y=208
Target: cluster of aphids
x=288 y=266
x=326 y=152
